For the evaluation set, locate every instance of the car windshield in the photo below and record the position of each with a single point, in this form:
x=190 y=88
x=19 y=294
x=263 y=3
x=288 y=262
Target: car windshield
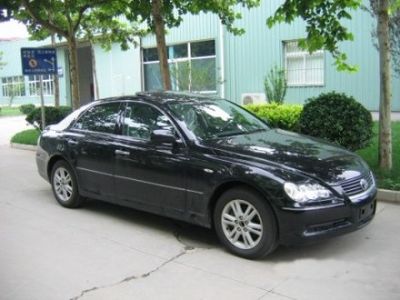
x=215 y=118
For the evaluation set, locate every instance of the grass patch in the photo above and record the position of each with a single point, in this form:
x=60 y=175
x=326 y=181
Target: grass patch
x=386 y=180
x=9 y=111
x=26 y=137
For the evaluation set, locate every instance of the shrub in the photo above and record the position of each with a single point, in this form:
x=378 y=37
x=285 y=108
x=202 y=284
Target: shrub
x=275 y=85
x=284 y=116
x=338 y=118
x=53 y=115
x=26 y=137
x=26 y=108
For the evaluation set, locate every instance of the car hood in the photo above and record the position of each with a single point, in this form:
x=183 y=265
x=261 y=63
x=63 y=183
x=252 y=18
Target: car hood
x=312 y=156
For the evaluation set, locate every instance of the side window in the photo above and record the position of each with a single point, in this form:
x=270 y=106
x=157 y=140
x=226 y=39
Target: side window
x=141 y=119
x=100 y=118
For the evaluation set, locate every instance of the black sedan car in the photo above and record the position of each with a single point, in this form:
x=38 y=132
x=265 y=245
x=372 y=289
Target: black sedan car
x=208 y=162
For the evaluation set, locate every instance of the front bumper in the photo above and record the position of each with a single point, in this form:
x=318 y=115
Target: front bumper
x=309 y=225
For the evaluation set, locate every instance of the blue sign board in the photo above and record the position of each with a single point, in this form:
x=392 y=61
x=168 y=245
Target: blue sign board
x=39 y=61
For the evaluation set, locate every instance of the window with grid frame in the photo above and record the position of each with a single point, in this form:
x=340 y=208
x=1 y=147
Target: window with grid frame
x=192 y=67
x=303 y=68
x=34 y=85
x=13 y=86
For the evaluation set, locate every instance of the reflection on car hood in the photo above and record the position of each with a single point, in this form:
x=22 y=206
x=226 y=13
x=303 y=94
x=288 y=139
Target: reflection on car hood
x=312 y=156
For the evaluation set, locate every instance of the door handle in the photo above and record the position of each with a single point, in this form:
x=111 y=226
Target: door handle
x=121 y=152
x=72 y=142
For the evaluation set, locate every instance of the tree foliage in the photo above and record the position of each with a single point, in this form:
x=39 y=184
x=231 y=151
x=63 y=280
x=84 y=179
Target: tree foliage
x=162 y=14
x=326 y=30
x=324 y=25
x=394 y=30
x=98 y=20
x=172 y=11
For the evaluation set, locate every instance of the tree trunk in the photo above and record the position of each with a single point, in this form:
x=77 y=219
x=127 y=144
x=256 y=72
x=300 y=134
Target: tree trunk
x=73 y=69
x=55 y=80
x=385 y=132
x=161 y=46
x=94 y=72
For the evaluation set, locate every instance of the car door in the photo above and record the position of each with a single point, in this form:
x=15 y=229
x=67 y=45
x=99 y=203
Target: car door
x=92 y=146
x=149 y=175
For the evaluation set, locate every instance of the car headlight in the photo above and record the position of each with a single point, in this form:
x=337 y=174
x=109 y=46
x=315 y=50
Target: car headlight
x=306 y=192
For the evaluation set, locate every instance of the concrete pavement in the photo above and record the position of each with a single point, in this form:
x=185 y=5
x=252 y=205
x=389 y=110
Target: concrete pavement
x=10 y=126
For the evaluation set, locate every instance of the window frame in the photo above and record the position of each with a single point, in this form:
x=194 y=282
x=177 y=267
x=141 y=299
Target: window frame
x=304 y=54
x=117 y=130
x=48 y=84
x=188 y=59
x=10 y=82
x=123 y=108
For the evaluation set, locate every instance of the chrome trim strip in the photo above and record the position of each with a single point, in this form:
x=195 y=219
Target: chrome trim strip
x=141 y=181
x=359 y=197
x=93 y=171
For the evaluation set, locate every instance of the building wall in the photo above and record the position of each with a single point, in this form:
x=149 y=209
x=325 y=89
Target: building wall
x=247 y=59
x=193 y=28
x=118 y=72
x=250 y=57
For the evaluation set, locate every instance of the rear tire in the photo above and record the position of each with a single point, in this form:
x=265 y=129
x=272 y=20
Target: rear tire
x=64 y=185
x=245 y=223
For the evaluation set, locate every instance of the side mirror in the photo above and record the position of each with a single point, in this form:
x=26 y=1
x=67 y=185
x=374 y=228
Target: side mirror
x=163 y=136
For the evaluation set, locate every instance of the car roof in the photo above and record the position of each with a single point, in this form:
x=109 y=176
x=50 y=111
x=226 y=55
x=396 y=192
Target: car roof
x=161 y=97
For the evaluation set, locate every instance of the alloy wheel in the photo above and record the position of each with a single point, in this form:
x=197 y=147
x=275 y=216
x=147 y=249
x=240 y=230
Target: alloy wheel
x=63 y=185
x=242 y=224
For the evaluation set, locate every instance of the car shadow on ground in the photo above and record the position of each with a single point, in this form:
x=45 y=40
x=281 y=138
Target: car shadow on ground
x=192 y=236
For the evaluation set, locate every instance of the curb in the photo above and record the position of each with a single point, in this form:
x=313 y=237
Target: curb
x=23 y=147
x=388 y=196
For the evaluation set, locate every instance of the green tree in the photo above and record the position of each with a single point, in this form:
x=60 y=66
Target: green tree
x=325 y=30
x=69 y=20
x=162 y=14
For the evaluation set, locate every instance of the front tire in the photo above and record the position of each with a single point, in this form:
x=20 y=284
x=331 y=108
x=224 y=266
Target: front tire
x=245 y=224
x=64 y=185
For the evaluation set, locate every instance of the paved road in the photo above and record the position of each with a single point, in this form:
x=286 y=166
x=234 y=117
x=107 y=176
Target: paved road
x=107 y=252
x=11 y=125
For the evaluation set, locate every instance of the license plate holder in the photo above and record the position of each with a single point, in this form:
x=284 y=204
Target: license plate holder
x=366 y=211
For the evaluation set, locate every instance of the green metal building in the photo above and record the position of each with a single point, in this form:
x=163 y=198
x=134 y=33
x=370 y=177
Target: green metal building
x=204 y=57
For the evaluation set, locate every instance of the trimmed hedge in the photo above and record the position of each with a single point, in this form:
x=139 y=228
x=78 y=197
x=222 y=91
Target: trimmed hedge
x=284 y=116
x=53 y=115
x=338 y=118
x=26 y=109
x=26 y=137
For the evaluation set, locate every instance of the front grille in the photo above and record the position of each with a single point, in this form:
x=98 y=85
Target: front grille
x=353 y=186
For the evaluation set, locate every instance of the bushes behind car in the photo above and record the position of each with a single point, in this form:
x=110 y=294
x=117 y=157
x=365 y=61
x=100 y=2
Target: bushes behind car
x=26 y=108
x=53 y=115
x=284 y=116
x=338 y=118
